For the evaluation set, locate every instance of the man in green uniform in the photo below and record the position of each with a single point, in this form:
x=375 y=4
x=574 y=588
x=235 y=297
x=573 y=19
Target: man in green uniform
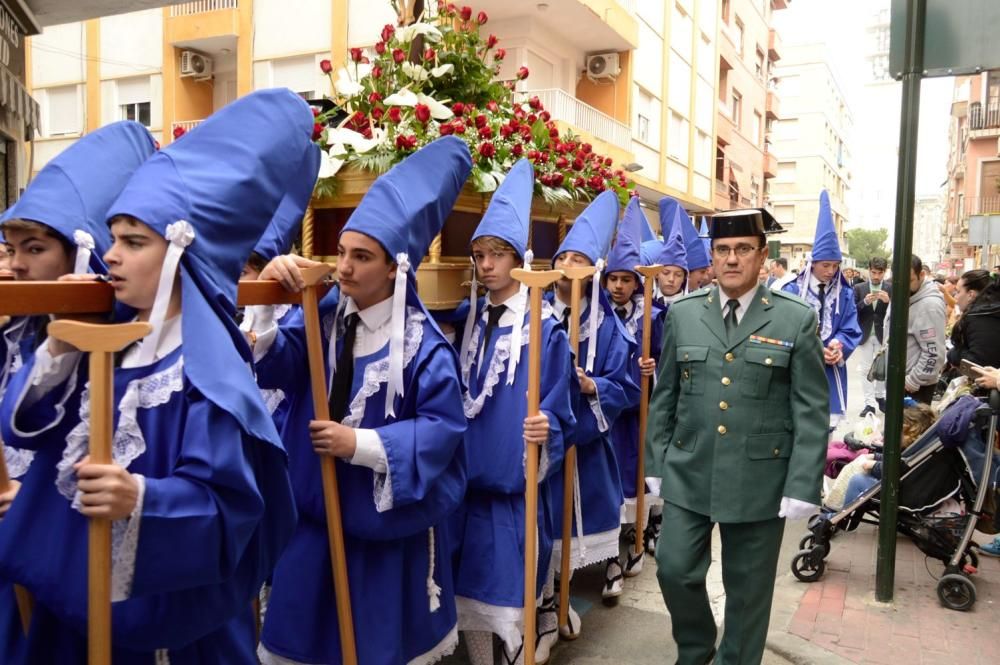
x=738 y=432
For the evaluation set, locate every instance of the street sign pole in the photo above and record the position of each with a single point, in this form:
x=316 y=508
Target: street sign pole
x=885 y=570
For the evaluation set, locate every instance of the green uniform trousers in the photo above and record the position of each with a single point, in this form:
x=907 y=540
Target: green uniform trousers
x=749 y=565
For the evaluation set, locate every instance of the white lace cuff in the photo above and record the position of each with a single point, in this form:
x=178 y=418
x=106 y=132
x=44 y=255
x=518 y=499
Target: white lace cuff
x=595 y=406
x=369 y=451
x=48 y=372
x=124 y=545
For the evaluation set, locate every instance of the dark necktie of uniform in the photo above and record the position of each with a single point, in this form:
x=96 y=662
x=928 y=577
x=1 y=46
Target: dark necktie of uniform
x=822 y=303
x=343 y=377
x=731 y=321
x=565 y=319
x=621 y=312
x=493 y=314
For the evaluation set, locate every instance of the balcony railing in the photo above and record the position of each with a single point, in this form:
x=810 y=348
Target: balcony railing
x=984 y=117
x=186 y=125
x=564 y=106
x=982 y=205
x=201 y=6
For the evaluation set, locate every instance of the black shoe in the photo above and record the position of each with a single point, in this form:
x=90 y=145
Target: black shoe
x=865 y=411
x=881 y=403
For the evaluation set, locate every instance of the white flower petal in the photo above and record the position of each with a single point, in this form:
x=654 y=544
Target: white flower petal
x=438 y=110
x=345 y=86
x=364 y=145
x=328 y=166
x=402 y=98
x=410 y=32
x=343 y=135
x=441 y=70
x=415 y=72
x=337 y=150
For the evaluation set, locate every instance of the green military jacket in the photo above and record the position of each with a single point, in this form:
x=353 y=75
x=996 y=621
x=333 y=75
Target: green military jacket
x=736 y=425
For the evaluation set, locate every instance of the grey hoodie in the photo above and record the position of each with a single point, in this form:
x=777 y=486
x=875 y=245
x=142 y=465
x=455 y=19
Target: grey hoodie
x=925 y=351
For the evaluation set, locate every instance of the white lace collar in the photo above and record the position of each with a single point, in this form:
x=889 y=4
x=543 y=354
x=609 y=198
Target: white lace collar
x=170 y=339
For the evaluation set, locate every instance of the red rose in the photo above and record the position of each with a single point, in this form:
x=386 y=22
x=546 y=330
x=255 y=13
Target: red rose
x=487 y=149
x=557 y=179
x=485 y=133
x=577 y=164
x=429 y=54
x=374 y=98
x=595 y=181
x=545 y=179
x=398 y=56
x=326 y=66
x=458 y=108
x=525 y=132
x=394 y=115
x=356 y=54
x=447 y=129
x=466 y=13
x=500 y=54
x=376 y=72
x=522 y=73
x=380 y=48
x=482 y=18
x=518 y=149
x=377 y=113
x=586 y=148
x=492 y=106
x=480 y=121
x=532 y=118
x=459 y=127
x=423 y=113
x=554 y=132
x=387 y=32
x=317 y=131
x=545 y=116
x=515 y=124
x=491 y=41
x=506 y=131
x=562 y=163
x=314 y=110
x=579 y=182
x=365 y=60
x=406 y=142
x=535 y=103
x=533 y=154
x=180 y=131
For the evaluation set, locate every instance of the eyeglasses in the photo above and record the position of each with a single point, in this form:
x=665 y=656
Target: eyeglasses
x=742 y=251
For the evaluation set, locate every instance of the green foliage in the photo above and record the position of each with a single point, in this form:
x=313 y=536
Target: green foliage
x=865 y=244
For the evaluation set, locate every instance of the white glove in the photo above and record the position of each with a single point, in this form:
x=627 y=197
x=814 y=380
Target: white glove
x=794 y=509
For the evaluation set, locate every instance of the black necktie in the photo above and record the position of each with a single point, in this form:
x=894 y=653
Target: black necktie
x=565 y=319
x=621 y=312
x=822 y=303
x=731 y=321
x=343 y=377
x=493 y=314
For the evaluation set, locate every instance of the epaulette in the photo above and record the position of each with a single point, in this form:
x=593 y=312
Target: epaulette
x=791 y=297
x=700 y=293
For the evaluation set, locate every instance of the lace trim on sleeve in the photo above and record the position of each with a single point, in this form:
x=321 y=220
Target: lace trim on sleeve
x=17 y=460
x=272 y=399
x=376 y=373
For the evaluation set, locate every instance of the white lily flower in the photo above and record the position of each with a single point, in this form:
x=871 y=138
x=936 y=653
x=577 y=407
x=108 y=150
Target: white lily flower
x=438 y=110
x=363 y=145
x=345 y=86
x=410 y=32
x=441 y=70
x=415 y=72
x=328 y=166
x=402 y=98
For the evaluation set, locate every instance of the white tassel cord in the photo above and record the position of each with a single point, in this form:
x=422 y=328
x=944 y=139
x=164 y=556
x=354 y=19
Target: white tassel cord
x=433 y=590
x=470 y=319
x=397 y=338
x=520 y=307
x=595 y=302
x=84 y=248
x=180 y=234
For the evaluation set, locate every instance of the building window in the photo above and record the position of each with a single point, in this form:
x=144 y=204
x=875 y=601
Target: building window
x=138 y=112
x=677 y=140
x=642 y=128
x=740 y=36
x=758 y=128
x=62 y=112
x=759 y=67
x=298 y=74
x=736 y=109
x=725 y=10
x=134 y=100
x=786 y=171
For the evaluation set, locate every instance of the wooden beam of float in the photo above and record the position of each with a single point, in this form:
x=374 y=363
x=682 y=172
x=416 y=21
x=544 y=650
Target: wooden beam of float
x=535 y=281
x=649 y=273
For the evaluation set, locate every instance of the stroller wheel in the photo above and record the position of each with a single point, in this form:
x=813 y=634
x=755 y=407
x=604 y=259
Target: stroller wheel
x=956 y=592
x=808 y=565
x=809 y=541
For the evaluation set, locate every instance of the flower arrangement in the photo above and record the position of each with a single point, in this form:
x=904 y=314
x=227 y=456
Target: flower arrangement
x=437 y=77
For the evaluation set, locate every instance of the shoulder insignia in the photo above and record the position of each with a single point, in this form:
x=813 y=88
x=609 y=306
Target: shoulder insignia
x=785 y=295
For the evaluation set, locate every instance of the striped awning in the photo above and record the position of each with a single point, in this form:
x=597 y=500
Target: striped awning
x=15 y=98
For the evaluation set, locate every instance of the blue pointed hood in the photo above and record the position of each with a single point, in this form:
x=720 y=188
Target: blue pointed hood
x=405 y=208
x=674 y=251
x=508 y=216
x=697 y=257
x=284 y=226
x=647 y=229
x=706 y=241
x=825 y=245
x=649 y=250
x=73 y=191
x=212 y=194
x=591 y=232
x=626 y=255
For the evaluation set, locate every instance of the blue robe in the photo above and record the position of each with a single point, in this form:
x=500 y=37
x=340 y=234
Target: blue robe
x=625 y=431
x=216 y=512
x=489 y=526
x=844 y=327
x=393 y=523
x=601 y=495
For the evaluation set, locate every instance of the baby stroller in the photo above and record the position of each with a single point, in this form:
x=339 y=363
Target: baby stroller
x=932 y=472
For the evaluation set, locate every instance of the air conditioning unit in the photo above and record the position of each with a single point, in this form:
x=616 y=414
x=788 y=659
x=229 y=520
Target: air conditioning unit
x=603 y=66
x=195 y=65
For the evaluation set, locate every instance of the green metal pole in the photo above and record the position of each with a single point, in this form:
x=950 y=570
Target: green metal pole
x=885 y=569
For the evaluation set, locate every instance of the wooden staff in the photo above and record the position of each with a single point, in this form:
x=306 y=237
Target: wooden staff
x=576 y=274
x=25 y=602
x=331 y=494
x=101 y=342
x=536 y=281
x=649 y=273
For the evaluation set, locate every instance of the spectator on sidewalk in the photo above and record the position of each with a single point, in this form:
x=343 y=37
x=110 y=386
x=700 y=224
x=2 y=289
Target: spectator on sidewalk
x=779 y=268
x=925 y=352
x=974 y=337
x=872 y=300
